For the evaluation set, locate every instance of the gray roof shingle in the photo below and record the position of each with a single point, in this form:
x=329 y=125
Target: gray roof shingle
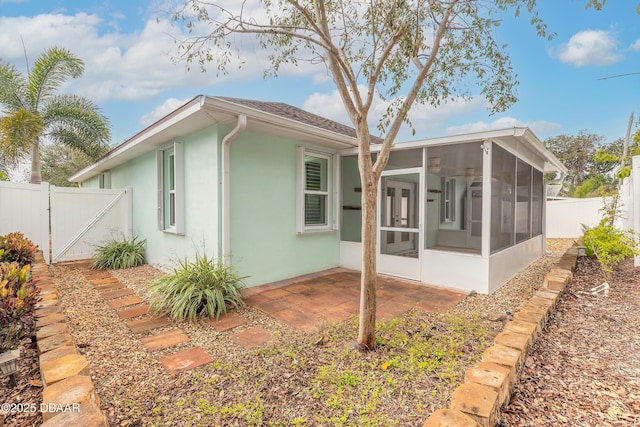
x=294 y=113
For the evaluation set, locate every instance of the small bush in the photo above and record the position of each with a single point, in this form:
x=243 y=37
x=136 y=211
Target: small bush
x=18 y=298
x=118 y=254
x=17 y=248
x=203 y=288
x=609 y=245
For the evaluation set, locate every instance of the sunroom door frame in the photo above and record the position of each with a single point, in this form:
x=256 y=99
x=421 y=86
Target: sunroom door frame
x=402 y=266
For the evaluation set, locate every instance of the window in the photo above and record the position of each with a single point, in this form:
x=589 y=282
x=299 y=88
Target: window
x=448 y=200
x=170 y=189
x=105 y=180
x=314 y=195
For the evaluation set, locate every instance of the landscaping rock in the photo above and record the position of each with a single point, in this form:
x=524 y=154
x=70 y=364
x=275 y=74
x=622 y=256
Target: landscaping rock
x=450 y=418
x=72 y=390
x=64 y=367
x=55 y=341
x=83 y=415
x=478 y=402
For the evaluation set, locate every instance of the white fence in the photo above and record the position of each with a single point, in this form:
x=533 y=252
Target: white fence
x=66 y=223
x=25 y=208
x=565 y=217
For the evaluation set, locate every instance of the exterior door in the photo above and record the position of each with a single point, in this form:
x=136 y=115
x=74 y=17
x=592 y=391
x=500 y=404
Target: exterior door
x=399 y=223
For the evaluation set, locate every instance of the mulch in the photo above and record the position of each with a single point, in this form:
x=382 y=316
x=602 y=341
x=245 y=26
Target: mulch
x=585 y=368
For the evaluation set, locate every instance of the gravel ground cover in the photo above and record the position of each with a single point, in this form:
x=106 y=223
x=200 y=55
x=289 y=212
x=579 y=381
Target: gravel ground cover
x=298 y=378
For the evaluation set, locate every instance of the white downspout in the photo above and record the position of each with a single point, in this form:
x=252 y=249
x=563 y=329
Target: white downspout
x=226 y=210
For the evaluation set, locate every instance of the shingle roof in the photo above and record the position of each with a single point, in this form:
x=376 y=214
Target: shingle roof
x=297 y=114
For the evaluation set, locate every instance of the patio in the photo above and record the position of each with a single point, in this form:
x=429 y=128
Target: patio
x=305 y=302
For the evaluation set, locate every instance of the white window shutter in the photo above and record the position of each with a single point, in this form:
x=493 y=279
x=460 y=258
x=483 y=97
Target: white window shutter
x=300 y=190
x=178 y=151
x=160 y=188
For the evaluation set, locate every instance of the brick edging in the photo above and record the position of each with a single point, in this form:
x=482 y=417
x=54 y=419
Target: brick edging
x=69 y=396
x=489 y=383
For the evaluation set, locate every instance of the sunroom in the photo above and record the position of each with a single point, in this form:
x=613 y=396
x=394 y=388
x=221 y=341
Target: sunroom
x=464 y=212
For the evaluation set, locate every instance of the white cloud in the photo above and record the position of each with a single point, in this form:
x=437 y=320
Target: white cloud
x=131 y=66
x=423 y=117
x=590 y=47
x=538 y=127
x=162 y=110
x=635 y=46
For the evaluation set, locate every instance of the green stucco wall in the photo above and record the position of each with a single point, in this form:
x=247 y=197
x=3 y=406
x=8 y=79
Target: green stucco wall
x=264 y=243
x=201 y=200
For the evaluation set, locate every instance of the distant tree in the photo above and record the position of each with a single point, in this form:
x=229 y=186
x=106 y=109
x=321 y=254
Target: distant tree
x=576 y=153
x=59 y=162
x=407 y=51
x=34 y=113
x=596 y=186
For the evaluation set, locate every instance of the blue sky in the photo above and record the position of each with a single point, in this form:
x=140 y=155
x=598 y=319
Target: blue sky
x=129 y=72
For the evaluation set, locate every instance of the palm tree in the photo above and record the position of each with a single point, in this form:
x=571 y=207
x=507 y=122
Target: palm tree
x=33 y=112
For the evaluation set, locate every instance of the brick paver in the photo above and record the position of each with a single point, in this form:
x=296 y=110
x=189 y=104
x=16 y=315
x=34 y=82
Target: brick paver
x=148 y=323
x=252 y=337
x=186 y=360
x=110 y=287
x=164 y=339
x=123 y=302
x=227 y=321
x=137 y=311
x=104 y=281
x=119 y=293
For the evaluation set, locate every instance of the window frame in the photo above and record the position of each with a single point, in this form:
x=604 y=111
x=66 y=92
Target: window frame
x=170 y=166
x=448 y=200
x=104 y=180
x=329 y=175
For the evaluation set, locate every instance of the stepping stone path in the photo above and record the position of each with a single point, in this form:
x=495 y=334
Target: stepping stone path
x=134 y=311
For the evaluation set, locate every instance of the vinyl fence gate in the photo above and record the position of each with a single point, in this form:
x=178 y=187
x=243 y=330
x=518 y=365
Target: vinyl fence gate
x=66 y=223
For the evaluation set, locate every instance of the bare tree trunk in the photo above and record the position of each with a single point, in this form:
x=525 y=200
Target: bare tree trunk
x=367 y=328
x=36 y=176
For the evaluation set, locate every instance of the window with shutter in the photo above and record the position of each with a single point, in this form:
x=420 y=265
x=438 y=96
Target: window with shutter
x=314 y=198
x=170 y=191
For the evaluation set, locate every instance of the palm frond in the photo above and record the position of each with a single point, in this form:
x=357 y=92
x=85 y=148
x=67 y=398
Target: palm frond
x=50 y=71
x=19 y=131
x=77 y=122
x=13 y=88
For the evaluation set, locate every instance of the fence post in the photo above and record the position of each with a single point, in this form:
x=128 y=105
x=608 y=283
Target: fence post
x=635 y=200
x=128 y=205
x=45 y=222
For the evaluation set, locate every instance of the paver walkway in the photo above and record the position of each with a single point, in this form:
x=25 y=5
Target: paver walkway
x=303 y=302
x=135 y=312
x=333 y=295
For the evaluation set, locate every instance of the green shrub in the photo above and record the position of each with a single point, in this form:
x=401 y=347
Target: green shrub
x=203 y=288
x=17 y=248
x=117 y=254
x=18 y=298
x=609 y=245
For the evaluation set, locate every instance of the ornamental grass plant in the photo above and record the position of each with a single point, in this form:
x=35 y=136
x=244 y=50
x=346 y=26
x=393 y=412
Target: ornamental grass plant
x=122 y=253
x=204 y=287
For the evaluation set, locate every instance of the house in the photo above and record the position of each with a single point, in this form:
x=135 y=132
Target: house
x=275 y=191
